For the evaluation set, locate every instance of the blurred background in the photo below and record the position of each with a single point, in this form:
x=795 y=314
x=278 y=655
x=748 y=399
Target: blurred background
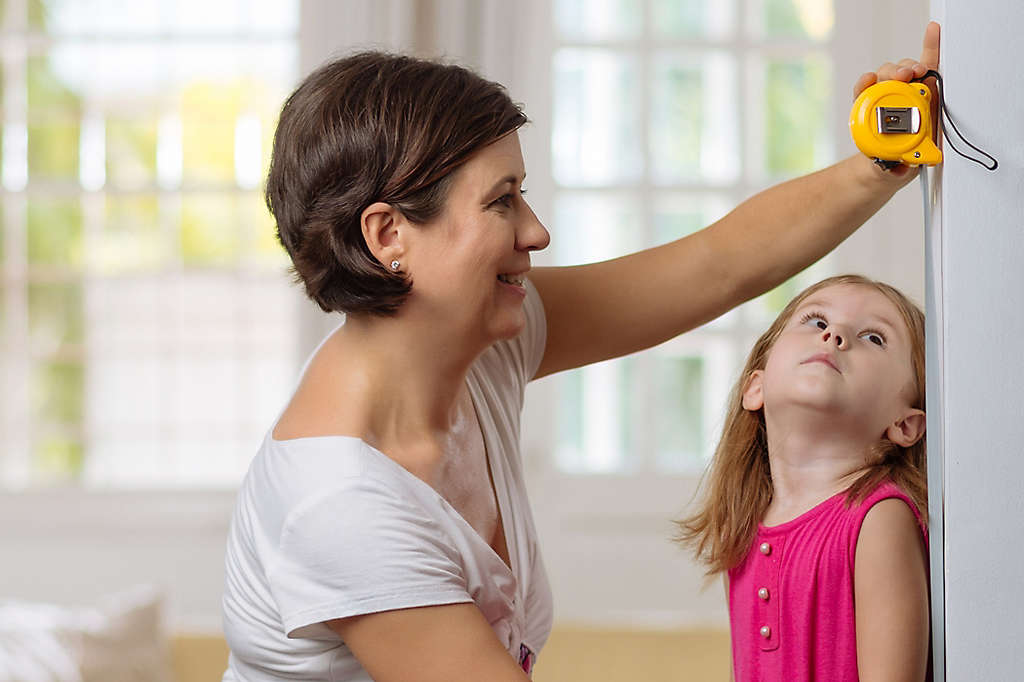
x=151 y=332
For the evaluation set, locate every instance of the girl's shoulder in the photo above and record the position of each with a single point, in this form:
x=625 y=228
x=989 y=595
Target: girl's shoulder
x=891 y=512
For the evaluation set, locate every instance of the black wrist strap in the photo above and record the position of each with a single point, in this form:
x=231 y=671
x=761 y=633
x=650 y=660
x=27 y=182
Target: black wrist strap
x=944 y=117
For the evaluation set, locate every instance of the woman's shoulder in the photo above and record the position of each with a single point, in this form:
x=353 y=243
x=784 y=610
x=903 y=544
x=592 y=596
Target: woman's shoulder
x=292 y=474
x=325 y=384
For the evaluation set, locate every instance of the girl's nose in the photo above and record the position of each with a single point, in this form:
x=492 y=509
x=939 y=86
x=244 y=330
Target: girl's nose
x=835 y=338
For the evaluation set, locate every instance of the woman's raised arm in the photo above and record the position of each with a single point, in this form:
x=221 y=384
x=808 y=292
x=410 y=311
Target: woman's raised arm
x=613 y=308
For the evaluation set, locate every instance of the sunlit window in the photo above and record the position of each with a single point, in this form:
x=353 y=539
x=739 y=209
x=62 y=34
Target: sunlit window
x=666 y=115
x=147 y=317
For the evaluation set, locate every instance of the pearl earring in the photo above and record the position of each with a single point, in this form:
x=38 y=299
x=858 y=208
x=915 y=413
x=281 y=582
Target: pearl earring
x=394 y=265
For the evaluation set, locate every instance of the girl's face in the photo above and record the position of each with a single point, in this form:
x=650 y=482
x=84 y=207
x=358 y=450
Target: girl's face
x=846 y=353
x=468 y=264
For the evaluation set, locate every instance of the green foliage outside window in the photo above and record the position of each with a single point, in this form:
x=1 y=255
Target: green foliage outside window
x=54 y=232
x=796 y=106
x=131 y=151
x=679 y=391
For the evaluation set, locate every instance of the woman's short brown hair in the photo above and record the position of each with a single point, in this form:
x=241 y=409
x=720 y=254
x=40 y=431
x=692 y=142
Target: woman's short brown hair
x=366 y=128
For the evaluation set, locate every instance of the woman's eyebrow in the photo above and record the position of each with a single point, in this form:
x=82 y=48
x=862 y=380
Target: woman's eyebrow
x=508 y=179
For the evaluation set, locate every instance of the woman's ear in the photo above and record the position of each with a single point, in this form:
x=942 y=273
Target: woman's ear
x=753 y=394
x=382 y=226
x=908 y=429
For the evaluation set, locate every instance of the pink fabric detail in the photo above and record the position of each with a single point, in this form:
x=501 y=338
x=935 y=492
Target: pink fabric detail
x=809 y=611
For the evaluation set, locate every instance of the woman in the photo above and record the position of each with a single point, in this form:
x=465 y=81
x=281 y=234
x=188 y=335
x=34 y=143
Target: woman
x=383 y=530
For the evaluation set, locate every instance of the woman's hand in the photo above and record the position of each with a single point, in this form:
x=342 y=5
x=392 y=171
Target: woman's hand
x=906 y=70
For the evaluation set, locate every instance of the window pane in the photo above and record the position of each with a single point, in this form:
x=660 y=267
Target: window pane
x=54 y=111
x=209 y=230
x=594 y=20
x=57 y=457
x=807 y=19
x=53 y=150
x=118 y=17
x=208 y=113
x=131 y=151
x=57 y=391
x=708 y=19
x=596 y=117
x=593 y=227
x=63 y=17
x=596 y=431
x=694 y=122
x=677 y=215
x=796 y=97
x=678 y=394
x=132 y=237
x=55 y=316
x=54 y=231
x=48 y=90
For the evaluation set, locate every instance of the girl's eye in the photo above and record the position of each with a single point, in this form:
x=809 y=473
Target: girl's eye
x=874 y=337
x=815 y=319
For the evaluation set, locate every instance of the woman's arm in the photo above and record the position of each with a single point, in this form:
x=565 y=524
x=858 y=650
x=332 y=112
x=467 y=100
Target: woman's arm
x=609 y=309
x=451 y=643
x=613 y=308
x=891 y=596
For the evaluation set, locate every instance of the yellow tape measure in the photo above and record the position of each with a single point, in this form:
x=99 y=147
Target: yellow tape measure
x=891 y=121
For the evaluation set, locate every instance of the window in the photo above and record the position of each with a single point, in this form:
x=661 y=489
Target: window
x=666 y=115
x=147 y=316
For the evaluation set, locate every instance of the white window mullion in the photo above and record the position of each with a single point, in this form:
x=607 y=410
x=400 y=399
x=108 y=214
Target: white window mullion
x=15 y=465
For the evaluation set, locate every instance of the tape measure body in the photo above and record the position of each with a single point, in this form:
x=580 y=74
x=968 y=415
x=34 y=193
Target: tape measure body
x=891 y=121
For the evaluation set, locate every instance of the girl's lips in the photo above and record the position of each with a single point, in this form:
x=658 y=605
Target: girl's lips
x=823 y=358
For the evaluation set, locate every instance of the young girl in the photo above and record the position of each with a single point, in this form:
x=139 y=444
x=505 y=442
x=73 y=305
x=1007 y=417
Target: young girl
x=814 y=505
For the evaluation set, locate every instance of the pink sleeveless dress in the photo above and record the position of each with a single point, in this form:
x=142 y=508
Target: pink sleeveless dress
x=791 y=599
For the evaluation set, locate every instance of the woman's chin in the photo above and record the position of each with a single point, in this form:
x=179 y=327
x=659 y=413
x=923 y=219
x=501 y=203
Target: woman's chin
x=508 y=328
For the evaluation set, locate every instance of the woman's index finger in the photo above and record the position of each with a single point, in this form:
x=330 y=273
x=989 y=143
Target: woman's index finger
x=930 y=48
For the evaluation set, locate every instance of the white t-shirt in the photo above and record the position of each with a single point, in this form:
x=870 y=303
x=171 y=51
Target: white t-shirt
x=328 y=527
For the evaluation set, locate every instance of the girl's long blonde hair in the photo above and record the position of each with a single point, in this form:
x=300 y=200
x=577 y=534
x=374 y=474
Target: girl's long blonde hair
x=737 y=488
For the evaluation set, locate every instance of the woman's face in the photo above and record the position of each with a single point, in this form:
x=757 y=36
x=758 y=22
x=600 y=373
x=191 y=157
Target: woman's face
x=468 y=264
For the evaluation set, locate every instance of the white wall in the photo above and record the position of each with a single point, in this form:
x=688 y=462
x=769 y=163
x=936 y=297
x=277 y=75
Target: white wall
x=981 y=302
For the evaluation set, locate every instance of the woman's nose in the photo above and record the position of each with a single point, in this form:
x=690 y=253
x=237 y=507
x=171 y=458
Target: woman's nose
x=532 y=235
